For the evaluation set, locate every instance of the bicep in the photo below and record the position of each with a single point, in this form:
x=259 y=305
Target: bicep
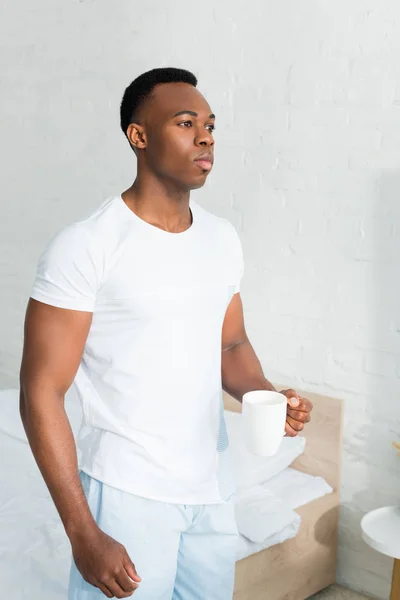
x=54 y=339
x=233 y=329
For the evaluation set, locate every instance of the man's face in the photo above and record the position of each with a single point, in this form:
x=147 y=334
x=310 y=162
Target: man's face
x=178 y=134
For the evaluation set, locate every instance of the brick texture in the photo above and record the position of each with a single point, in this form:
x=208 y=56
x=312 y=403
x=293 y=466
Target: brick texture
x=307 y=98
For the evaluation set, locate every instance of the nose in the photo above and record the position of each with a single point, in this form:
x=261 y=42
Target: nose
x=204 y=138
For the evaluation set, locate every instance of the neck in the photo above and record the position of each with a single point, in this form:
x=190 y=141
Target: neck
x=160 y=203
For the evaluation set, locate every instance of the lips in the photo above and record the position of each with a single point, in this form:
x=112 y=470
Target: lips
x=205 y=161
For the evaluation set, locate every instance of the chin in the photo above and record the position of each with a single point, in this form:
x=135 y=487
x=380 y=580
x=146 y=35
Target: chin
x=197 y=183
x=191 y=183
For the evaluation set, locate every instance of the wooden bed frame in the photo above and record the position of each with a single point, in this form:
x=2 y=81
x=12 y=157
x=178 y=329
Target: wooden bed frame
x=298 y=568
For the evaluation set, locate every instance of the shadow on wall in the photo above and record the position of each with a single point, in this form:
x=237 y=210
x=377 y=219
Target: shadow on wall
x=382 y=359
x=375 y=457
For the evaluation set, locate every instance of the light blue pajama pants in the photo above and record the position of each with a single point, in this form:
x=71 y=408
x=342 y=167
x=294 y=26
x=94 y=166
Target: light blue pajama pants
x=181 y=552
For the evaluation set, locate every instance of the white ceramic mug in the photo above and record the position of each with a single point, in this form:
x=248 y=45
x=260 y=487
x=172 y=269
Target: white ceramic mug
x=264 y=418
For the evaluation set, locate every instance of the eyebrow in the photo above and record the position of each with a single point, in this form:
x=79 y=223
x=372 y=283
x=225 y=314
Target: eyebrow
x=191 y=112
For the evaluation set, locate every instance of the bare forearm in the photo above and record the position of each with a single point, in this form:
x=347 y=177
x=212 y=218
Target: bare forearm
x=242 y=371
x=52 y=442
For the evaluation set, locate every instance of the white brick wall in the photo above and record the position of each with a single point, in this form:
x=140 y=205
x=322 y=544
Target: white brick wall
x=307 y=97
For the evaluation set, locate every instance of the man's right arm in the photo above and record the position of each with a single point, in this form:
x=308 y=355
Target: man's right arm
x=54 y=339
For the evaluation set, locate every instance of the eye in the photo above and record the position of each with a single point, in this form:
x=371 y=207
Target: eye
x=210 y=127
x=186 y=123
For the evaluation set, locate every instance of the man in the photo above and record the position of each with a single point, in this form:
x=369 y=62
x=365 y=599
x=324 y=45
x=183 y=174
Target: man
x=139 y=304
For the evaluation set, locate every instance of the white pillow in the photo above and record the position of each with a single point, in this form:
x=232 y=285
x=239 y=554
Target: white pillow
x=251 y=469
x=296 y=488
x=260 y=514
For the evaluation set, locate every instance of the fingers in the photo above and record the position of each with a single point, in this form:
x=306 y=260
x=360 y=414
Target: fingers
x=106 y=591
x=296 y=418
x=125 y=582
x=305 y=405
x=130 y=568
x=297 y=401
x=119 y=583
x=112 y=589
x=296 y=426
x=292 y=396
x=298 y=415
x=290 y=432
x=127 y=577
x=289 y=393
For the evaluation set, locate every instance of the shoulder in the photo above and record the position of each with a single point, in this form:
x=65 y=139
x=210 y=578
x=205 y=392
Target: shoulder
x=221 y=226
x=83 y=245
x=100 y=224
x=89 y=234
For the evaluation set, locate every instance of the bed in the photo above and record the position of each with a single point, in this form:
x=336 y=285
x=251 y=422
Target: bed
x=35 y=553
x=299 y=567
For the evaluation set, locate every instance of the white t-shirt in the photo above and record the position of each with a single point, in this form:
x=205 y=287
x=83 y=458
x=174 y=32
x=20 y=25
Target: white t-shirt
x=150 y=375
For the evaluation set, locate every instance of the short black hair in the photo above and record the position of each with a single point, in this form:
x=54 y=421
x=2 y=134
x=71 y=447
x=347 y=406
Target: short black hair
x=142 y=86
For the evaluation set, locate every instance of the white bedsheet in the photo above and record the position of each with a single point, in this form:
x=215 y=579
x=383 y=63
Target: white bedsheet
x=294 y=489
x=246 y=547
x=35 y=553
x=260 y=514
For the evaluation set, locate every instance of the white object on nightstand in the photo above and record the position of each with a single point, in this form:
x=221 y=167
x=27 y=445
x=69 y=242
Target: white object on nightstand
x=381 y=531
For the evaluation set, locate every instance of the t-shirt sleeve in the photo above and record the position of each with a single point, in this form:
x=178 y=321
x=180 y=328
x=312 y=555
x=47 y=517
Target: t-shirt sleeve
x=67 y=274
x=240 y=266
x=237 y=257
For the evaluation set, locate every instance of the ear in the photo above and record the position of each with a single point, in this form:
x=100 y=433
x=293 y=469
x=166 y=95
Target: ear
x=136 y=136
